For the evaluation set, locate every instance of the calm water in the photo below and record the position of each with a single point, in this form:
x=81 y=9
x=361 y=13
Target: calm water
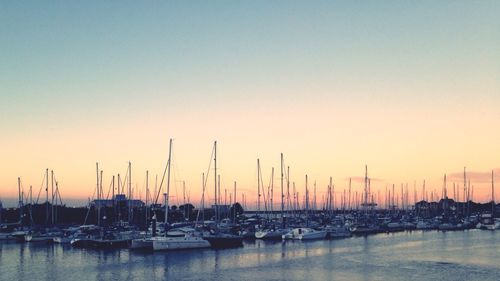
x=467 y=255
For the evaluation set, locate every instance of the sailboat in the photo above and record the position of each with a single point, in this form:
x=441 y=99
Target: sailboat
x=488 y=221
x=107 y=238
x=272 y=232
x=164 y=243
x=216 y=237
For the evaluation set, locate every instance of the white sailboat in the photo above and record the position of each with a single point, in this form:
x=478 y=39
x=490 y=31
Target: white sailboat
x=164 y=243
x=303 y=233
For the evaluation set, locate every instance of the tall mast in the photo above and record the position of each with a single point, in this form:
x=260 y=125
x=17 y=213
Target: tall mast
x=20 y=197
x=52 y=191
x=307 y=204
x=330 y=197
x=366 y=189
x=100 y=187
x=258 y=185
x=98 y=195
x=282 y=194
x=492 y=195
x=129 y=192
x=184 y=193
x=147 y=194
x=215 y=184
x=234 y=202
x=348 y=199
x=47 y=195
x=119 y=203
x=114 y=200
x=169 y=163
x=465 y=191
x=31 y=205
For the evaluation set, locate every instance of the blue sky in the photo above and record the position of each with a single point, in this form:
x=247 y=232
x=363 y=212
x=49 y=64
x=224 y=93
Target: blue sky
x=78 y=69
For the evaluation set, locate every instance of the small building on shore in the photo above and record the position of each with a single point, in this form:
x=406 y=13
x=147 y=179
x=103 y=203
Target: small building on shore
x=119 y=200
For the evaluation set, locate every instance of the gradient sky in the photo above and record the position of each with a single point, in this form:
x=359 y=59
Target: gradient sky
x=410 y=88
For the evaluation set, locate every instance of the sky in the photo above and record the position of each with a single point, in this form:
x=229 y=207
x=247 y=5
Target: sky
x=409 y=88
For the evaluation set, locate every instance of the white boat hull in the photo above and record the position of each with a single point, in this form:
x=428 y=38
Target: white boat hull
x=305 y=234
x=320 y=234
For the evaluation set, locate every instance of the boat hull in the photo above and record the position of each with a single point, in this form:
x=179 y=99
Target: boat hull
x=313 y=235
x=225 y=241
x=170 y=244
x=38 y=238
x=100 y=244
x=269 y=235
x=142 y=244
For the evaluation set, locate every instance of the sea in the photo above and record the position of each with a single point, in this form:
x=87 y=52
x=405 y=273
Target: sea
x=417 y=255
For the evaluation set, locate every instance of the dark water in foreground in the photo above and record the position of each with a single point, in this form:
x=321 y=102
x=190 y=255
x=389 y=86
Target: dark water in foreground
x=467 y=255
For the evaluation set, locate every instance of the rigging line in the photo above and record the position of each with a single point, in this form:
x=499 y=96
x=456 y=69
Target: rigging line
x=204 y=185
x=208 y=172
x=88 y=211
x=57 y=190
x=59 y=194
x=161 y=182
x=41 y=186
x=174 y=169
x=263 y=193
x=109 y=189
x=209 y=167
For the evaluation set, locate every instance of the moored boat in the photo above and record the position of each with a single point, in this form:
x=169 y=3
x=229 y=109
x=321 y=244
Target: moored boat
x=179 y=243
x=303 y=233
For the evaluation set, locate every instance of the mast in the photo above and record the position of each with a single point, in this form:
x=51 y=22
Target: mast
x=258 y=185
x=31 y=205
x=165 y=201
x=147 y=195
x=184 y=193
x=119 y=203
x=348 y=199
x=465 y=191
x=307 y=204
x=98 y=195
x=20 y=197
x=330 y=197
x=169 y=163
x=492 y=195
x=47 y=195
x=129 y=192
x=215 y=183
x=366 y=189
x=52 y=191
x=234 y=202
x=282 y=195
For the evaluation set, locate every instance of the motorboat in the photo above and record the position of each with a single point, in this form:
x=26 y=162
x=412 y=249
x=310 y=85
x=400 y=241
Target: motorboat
x=303 y=233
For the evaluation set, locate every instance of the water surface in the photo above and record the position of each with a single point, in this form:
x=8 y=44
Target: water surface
x=462 y=255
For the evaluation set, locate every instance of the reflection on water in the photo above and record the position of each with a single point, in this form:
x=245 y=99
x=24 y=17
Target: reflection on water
x=467 y=255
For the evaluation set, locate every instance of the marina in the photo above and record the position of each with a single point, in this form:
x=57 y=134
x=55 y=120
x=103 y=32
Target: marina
x=416 y=255
x=249 y=140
